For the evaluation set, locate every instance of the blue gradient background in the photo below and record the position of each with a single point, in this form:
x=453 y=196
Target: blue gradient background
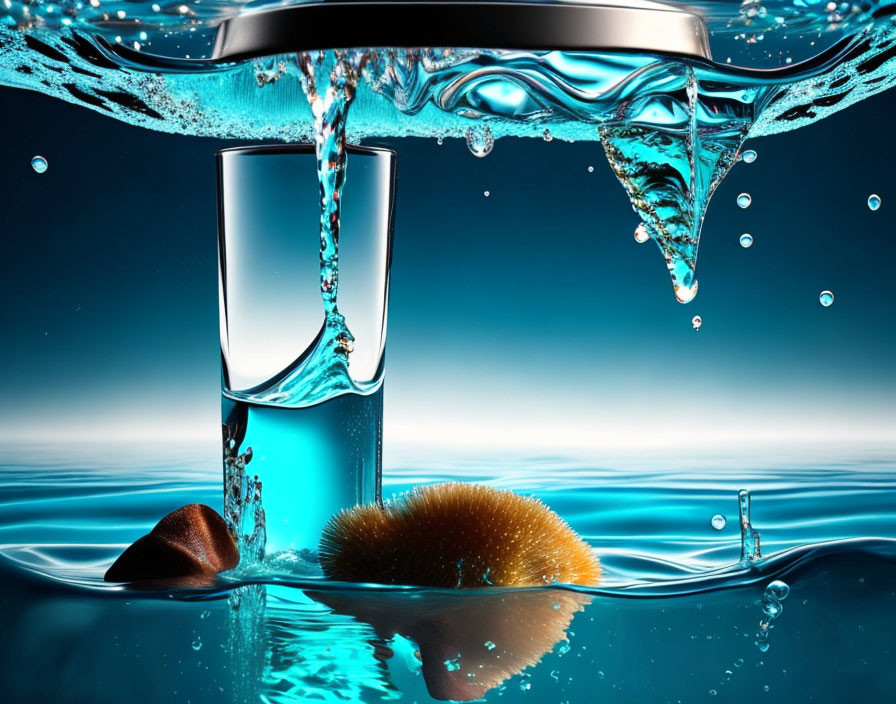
x=526 y=322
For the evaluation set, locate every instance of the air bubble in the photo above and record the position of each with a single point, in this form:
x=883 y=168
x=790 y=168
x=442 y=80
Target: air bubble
x=641 y=234
x=489 y=645
x=486 y=193
x=873 y=201
x=196 y=644
x=749 y=156
x=696 y=322
x=826 y=298
x=590 y=169
x=746 y=240
x=744 y=200
x=548 y=137
x=718 y=522
x=39 y=164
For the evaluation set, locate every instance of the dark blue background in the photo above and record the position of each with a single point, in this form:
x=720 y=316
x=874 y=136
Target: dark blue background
x=526 y=321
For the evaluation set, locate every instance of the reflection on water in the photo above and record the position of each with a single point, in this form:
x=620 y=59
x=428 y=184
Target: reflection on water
x=676 y=603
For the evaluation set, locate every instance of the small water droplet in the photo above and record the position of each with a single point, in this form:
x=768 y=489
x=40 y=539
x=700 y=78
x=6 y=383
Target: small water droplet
x=718 y=521
x=826 y=298
x=480 y=140
x=196 y=644
x=641 y=234
x=39 y=164
x=486 y=193
x=749 y=156
x=439 y=141
x=590 y=169
x=696 y=322
x=746 y=240
x=744 y=200
x=489 y=645
x=873 y=201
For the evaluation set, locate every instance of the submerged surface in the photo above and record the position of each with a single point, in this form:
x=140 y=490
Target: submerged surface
x=674 y=600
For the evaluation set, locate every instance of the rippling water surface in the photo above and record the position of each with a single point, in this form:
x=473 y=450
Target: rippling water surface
x=675 y=599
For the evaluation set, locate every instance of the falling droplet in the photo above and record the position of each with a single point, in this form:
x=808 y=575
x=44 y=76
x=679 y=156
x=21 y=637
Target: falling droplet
x=873 y=200
x=718 y=521
x=641 y=234
x=746 y=240
x=744 y=200
x=685 y=294
x=590 y=169
x=486 y=193
x=696 y=321
x=196 y=644
x=39 y=164
x=826 y=298
x=480 y=140
x=749 y=156
x=439 y=141
x=548 y=137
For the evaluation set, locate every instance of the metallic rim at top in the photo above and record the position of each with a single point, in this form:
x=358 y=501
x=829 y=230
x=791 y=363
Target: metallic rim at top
x=611 y=25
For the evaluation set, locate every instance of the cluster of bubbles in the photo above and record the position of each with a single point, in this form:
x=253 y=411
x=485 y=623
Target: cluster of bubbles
x=774 y=594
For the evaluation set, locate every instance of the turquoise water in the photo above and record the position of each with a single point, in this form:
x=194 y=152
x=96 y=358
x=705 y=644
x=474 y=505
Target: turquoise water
x=688 y=609
x=676 y=618
x=304 y=465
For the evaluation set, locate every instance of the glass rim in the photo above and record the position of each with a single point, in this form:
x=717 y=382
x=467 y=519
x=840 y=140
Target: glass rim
x=302 y=148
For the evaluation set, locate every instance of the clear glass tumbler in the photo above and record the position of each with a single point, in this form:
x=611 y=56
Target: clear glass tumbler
x=302 y=413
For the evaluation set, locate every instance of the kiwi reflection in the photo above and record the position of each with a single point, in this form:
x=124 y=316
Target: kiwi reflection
x=469 y=641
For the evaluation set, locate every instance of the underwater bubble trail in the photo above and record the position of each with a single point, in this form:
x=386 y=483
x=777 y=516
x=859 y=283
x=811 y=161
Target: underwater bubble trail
x=772 y=597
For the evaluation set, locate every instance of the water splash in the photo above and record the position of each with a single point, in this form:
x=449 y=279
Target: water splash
x=670 y=152
x=749 y=536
